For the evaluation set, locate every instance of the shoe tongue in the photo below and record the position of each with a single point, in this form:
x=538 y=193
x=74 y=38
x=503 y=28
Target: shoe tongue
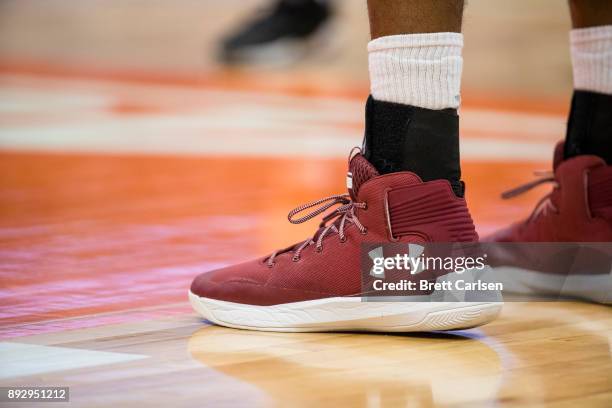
x=360 y=171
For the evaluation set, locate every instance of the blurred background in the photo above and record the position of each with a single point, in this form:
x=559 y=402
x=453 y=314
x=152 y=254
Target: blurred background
x=137 y=149
x=511 y=46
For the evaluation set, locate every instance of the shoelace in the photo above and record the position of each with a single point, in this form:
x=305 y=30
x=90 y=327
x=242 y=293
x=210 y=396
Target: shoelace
x=345 y=214
x=545 y=202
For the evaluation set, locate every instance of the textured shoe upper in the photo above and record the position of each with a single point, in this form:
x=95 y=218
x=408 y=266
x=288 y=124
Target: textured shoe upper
x=399 y=207
x=578 y=209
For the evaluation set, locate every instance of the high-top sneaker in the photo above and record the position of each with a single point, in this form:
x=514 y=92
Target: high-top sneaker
x=577 y=210
x=316 y=285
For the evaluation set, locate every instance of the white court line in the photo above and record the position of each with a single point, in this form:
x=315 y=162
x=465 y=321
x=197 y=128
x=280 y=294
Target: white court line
x=236 y=123
x=20 y=359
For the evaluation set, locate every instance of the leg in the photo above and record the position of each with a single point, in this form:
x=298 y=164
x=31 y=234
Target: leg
x=590 y=13
x=414 y=16
x=590 y=121
x=411 y=138
x=415 y=72
x=579 y=207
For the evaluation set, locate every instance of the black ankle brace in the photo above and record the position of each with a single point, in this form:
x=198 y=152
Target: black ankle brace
x=408 y=138
x=589 y=129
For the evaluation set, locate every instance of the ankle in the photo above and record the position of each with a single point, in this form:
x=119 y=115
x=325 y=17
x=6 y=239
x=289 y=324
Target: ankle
x=588 y=128
x=409 y=138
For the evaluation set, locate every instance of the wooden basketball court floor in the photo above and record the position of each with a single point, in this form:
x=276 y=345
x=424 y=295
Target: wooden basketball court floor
x=116 y=192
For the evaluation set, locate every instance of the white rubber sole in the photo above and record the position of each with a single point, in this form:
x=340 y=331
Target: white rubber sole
x=347 y=314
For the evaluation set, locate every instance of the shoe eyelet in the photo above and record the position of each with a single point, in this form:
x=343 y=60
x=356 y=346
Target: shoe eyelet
x=365 y=231
x=270 y=265
x=343 y=239
x=365 y=207
x=319 y=249
x=296 y=259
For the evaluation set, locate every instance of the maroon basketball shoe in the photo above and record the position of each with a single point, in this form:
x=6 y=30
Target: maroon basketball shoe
x=316 y=285
x=577 y=210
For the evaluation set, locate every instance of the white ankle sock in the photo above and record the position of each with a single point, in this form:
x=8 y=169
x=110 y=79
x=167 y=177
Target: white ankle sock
x=591 y=50
x=421 y=70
